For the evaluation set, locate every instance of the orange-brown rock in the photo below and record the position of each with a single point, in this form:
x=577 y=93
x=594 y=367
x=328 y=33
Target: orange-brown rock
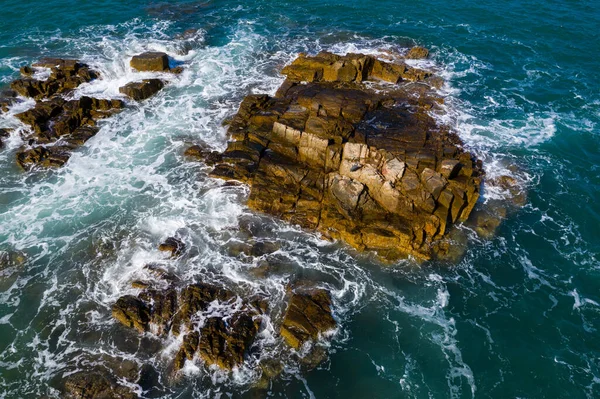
x=150 y=61
x=218 y=340
x=417 y=52
x=142 y=90
x=366 y=164
x=59 y=126
x=328 y=67
x=308 y=315
x=173 y=245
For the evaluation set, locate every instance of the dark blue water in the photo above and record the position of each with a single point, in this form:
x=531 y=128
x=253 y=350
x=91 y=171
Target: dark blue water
x=519 y=316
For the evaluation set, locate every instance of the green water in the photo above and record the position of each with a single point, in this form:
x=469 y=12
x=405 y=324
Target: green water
x=517 y=317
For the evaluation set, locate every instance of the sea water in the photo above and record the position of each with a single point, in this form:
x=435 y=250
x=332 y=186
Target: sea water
x=518 y=316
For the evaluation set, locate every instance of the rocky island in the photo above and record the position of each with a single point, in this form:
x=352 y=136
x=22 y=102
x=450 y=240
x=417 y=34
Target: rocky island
x=347 y=147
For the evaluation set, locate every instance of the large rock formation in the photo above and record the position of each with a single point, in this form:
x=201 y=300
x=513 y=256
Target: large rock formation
x=363 y=163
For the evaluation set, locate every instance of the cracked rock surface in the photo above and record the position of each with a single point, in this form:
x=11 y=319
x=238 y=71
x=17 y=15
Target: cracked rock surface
x=347 y=147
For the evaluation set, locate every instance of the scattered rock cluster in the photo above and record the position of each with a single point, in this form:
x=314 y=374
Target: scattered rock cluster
x=363 y=163
x=148 y=62
x=222 y=340
x=59 y=125
x=65 y=76
x=216 y=324
x=215 y=340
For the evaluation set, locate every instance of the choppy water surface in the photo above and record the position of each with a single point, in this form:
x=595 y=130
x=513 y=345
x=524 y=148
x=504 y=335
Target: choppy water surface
x=517 y=317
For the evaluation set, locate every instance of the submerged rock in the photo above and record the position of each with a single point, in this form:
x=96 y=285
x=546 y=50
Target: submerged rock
x=11 y=259
x=173 y=245
x=308 y=315
x=417 y=52
x=364 y=164
x=142 y=90
x=95 y=385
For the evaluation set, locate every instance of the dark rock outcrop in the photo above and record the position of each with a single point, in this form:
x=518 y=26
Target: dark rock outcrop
x=59 y=126
x=224 y=343
x=142 y=90
x=95 y=385
x=132 y=312
x=7 y=98
x=308 y=315
x=4 y=133
x=366 y=164
x=11 y=259
x=220 y=341
x=173 y=245
x=65 y=76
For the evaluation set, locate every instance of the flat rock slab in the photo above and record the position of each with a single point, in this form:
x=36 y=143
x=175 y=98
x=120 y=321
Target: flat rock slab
x=365 y=164
x=142 y=90
x=150 y=61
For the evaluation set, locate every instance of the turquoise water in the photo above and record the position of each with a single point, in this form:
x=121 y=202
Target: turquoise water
x=519 y=316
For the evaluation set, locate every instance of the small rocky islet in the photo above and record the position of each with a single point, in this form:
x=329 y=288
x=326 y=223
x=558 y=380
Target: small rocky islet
x=347 y=147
